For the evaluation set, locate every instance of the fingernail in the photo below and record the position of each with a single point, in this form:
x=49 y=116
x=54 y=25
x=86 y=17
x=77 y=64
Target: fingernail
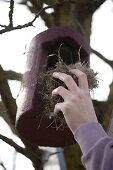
x=55 y=73
x=53 y=92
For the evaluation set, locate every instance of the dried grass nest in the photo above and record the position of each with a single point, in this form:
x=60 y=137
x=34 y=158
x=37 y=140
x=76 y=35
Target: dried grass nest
x=47 y=83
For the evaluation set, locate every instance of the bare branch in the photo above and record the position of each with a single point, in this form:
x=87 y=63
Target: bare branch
x=4 y=114
x=4 y=26
x=47 y=7
x=102 y=57
x=28 y=152
x=2 y=165
x=11 y=13
x=12 y=75
x=13 y=144
x=6 y=96
x=8 y=28
x=2 y=108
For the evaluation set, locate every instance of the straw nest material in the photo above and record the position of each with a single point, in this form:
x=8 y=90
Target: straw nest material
x=47 y=83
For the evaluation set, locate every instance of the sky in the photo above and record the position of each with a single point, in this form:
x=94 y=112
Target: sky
x=102 y=40
x=12 y=48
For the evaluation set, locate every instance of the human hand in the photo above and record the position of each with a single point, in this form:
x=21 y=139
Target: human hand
x=77 y=106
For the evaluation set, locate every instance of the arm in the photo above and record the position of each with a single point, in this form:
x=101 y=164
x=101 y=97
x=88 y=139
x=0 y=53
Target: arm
x=80 y=116
x=96 y=146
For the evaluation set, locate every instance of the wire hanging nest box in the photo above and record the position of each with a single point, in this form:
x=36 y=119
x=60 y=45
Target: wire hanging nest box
x=31 y=122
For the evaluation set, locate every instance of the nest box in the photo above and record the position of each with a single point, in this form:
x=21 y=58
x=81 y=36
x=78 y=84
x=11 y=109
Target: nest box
x=29 y=121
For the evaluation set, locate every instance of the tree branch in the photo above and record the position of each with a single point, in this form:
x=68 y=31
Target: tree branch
x=4 y=26
x=13 y=144
x=28 y=152
x=11 y=13
x=8 y=28
x=12 y=75
x=4 y=114
x=102 y=57
x=2 y=165
x=2 y=108
x=6 y=96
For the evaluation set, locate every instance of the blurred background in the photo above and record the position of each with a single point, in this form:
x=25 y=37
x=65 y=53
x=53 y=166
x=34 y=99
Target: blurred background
x=20 y=21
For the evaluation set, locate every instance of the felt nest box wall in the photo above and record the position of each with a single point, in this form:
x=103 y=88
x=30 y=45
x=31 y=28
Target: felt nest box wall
x=29 y=121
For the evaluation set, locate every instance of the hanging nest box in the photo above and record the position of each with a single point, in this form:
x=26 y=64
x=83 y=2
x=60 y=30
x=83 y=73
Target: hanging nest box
x=42 y=55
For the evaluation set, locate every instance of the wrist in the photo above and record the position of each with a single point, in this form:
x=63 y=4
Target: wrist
x=83 y=123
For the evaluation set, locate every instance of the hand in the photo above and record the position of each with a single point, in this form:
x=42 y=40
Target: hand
x=77 y=106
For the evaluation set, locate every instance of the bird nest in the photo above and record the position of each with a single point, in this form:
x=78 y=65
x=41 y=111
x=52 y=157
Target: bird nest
x=47 y=83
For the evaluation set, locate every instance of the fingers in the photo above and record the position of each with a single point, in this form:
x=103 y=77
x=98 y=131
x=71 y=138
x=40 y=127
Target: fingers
x=70 y=83
x=61 y=91
x=82 y=78
x=67 y=79
x=58 y=107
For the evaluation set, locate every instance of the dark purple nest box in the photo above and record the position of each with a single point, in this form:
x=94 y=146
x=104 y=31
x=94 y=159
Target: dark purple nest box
x=29 y=121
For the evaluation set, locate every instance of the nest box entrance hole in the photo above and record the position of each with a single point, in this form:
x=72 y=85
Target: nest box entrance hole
x=63 y=49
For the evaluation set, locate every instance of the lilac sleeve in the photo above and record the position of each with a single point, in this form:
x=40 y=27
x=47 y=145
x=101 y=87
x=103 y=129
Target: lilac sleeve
x=96 y=146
